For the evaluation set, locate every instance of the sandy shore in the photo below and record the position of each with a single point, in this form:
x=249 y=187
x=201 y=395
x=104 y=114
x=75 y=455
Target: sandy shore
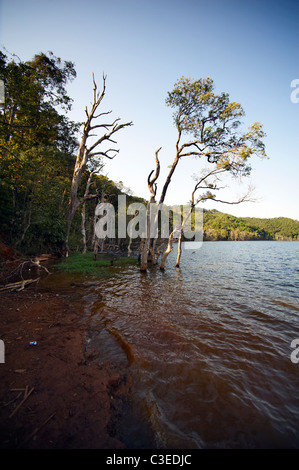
x=52 y=395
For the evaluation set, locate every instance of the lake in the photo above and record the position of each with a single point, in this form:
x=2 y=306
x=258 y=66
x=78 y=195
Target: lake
x=208 y=346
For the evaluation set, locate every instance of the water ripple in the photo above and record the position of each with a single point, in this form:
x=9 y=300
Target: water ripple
x=209 y=344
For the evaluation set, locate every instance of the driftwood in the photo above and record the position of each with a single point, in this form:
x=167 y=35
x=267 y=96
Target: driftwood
x=18 y=286
x=37 y=429
x=27 y=393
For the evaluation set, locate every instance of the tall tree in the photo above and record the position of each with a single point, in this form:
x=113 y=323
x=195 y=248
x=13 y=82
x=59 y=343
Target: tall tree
x=152 y=186
x=36 y=144
x=88 y=151
x=208 y=126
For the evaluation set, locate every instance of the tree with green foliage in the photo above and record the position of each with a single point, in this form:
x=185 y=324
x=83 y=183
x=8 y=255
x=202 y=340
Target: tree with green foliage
x=209 y=127
x=37 y=141
x=33 y=92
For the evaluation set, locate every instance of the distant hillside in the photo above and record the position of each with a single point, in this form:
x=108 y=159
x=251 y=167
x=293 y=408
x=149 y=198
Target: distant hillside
x=221 y=226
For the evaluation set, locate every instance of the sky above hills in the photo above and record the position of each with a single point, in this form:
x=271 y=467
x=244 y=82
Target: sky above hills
x=249 y=48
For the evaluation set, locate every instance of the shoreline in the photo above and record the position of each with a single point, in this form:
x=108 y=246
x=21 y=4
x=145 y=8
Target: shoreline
x=52 y=394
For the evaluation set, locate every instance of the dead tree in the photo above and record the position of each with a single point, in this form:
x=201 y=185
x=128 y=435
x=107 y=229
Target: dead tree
x=86 y=152
x=152 y=186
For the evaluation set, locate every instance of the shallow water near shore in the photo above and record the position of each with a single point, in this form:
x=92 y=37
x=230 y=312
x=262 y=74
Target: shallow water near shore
x=208 y=345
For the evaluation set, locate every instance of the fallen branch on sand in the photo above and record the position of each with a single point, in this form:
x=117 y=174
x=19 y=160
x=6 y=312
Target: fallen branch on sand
x=38 y=429
x=18 y=286
x=26 y=395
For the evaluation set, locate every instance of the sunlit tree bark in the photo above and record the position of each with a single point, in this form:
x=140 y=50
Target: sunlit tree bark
x=87 y=152
x=151 y=182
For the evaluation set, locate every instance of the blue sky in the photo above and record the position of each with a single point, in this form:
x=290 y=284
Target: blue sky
x=249 y=48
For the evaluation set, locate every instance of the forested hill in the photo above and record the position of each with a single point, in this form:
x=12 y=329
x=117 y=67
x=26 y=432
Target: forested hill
x=221 y=226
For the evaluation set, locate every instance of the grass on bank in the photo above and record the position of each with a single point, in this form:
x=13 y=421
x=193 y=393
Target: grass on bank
x=85 y=264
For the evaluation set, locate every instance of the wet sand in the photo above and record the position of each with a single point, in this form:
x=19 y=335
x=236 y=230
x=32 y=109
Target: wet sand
x=52 y=394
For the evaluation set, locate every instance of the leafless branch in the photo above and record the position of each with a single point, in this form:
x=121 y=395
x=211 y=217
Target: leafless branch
x=105 y=153
x=85 y=154
x=244 y=198
x=152 y=182
x=107 y=136
x=101 y=114
x=88 y=197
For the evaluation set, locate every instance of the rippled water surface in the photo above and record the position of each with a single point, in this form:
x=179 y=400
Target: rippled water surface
x=208 y=345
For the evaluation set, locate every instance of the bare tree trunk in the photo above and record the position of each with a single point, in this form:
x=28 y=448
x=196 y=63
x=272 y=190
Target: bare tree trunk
x=164 y=190
x=167 y=251
x=85 y=153
x=146 y=241
x=83 y=230
x=153 y=189
x=177 y=265
x=179 y=251
x=129 y=248
x=142 y=241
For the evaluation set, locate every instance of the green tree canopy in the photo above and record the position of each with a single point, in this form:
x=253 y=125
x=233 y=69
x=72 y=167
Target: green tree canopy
x=209 y=125
x=33 y=92
x=37 y=141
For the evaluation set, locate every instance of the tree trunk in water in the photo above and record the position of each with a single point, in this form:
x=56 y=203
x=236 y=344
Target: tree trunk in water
x=179 y=252
x=146 y=244
x=162 y=198
x=129 y=248
x=180 y=237
x=141 y=249
x=167 y=251
x=153 y=189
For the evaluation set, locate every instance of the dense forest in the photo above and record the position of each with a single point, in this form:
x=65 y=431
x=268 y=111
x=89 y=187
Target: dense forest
x=38 y=146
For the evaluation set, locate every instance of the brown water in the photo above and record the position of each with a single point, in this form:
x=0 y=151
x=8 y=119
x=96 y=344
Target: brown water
x=208 y=345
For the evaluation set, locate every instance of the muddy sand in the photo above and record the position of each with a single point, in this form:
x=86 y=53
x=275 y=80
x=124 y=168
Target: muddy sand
x=52 y=395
